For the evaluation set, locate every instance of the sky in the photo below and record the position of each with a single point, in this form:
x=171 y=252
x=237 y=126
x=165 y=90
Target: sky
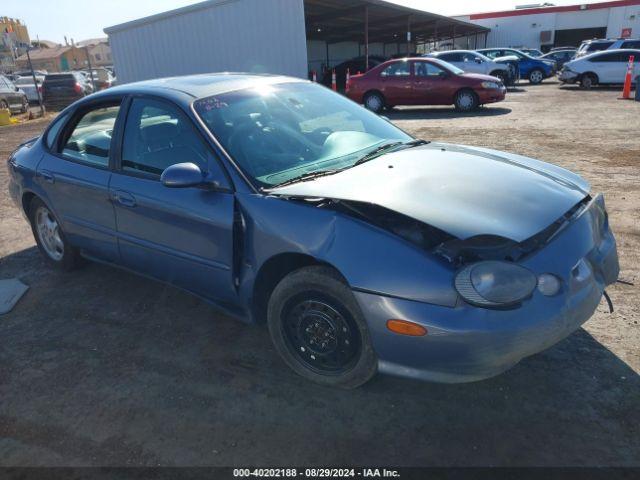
x=82 y=20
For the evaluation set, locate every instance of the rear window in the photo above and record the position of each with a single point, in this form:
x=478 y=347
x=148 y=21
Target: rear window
x=59 y=78
x=598 y=46
x=631 y=44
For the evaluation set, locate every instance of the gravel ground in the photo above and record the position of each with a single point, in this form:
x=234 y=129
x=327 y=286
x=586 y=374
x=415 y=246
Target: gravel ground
x=101 y=367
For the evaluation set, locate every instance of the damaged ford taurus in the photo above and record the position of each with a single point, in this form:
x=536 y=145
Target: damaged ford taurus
x=362 y=248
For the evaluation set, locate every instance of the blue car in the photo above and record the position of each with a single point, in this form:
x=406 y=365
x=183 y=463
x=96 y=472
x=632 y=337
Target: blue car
x=533 y=69
x=282 y=203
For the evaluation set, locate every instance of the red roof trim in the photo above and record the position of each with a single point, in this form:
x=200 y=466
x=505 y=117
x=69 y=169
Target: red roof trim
x=568 y=8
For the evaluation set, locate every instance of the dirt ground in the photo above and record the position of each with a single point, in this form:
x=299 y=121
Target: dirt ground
x=101 y=367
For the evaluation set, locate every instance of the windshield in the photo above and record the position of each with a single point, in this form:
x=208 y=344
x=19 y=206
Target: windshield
x=276 y=133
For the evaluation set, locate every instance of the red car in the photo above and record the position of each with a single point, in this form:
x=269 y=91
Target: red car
x=423 y=81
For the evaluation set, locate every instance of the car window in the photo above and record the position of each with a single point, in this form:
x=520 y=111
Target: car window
x=598 y=46
x=469 y=57
x=90 y=140
x=492 y=53
x=54 y=129
x=451 y=57
x=426 y=69
x=398 y=69
x=631 y=44
x=607 y=57
x=158 y=135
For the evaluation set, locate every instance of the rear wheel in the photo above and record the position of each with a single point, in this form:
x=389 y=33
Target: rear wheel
x=466 y=101
x=374 y=101
x=536 y=76
x=588 y=81
x=318 y=329
x=4 y=105
x=50 y=238
x=25 y=105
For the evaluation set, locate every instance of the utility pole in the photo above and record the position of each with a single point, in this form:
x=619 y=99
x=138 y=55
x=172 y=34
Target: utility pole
x=35 y=82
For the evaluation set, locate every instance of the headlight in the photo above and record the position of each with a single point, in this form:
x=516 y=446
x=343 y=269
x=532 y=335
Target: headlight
x=495 y=284
x=490 y=85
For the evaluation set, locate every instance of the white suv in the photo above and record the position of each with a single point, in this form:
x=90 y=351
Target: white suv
x=597 y=45
x=474 y=62
x=605 y=67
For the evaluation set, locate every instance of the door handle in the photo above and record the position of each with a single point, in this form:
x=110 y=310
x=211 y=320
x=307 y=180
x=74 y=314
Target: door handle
x=47 y=176
x=124 y=198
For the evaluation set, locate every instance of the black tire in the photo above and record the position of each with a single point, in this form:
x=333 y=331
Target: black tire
x=466 y=100
x=588 y=81
x=4 y=105
x=536 y=76
x=328 y=342
x=25 y=105
x=70 y=258
x=374 y=101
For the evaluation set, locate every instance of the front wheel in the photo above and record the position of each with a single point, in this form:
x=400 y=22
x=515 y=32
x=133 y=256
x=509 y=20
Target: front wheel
x=466 y=101
x=536 y=76
x=318 y=329
x=502 y=75
x=374 y=101
x=50 y=238
x=588 y=81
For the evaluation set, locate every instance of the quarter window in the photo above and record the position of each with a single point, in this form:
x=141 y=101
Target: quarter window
x=53 y=130
x=90 y=140
x=157 y=136
x=398 y=69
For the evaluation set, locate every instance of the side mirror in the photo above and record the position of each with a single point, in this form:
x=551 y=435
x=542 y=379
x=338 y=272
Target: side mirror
x=16 y=88
x=182 y=175
x=478 y=60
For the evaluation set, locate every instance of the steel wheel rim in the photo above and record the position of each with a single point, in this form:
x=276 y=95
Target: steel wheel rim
x=320 y=336
x=374 y=103
x=49 y=234
x=465 y=101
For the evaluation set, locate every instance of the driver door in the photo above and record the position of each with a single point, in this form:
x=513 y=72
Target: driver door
x=182 y=236
x=432 y=85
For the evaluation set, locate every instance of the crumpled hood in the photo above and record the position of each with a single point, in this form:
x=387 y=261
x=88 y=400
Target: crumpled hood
x=464 y=191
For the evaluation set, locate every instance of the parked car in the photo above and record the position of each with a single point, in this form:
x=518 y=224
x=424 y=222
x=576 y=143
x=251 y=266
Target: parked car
x=533 y=69
x=597 y=45
x=423 y=81
x=29 y=88
x=11 y=97
x=532 y=52
x=474 y=62
x=27 y=73
x=102 y=78
x=555 y=49
x=85 y=81
x=559 y=56
x=355 y=66
x=603 y=67
x=62 y=89
x=362 y=248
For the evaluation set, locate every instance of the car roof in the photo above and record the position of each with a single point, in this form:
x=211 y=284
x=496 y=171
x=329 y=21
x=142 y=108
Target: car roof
x=453 y=51
x=608 y=52
x=203 y=85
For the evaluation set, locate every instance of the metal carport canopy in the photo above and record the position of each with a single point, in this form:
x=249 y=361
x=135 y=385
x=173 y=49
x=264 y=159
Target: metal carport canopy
x=369 y=21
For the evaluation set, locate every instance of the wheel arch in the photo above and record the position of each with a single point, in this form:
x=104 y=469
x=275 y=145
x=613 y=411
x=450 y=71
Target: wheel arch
x=272 y=271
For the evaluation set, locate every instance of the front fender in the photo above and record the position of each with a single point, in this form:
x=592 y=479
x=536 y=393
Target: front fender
x=369 y=258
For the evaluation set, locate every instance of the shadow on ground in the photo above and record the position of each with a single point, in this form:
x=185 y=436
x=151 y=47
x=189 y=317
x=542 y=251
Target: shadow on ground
x=101 y=367
x=427 y=113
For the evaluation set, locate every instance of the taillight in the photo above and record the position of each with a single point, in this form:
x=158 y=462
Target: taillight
x=77 y=88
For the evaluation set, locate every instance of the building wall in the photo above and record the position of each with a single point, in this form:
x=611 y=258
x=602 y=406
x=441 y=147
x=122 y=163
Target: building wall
x=343 y=51
x=525 y=30
x=221 y=35
x=100 y=55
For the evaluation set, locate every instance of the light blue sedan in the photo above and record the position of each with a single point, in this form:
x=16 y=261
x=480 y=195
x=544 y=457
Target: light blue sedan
x=363 y=249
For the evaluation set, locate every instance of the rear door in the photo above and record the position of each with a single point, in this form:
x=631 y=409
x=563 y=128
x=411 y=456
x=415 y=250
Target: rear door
x=396 y=83
x=183 y=236
x=75 y=174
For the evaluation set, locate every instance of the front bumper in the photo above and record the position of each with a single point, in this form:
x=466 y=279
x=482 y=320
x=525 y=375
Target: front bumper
x=567 y=76
x=467 y=343
x=491 y=95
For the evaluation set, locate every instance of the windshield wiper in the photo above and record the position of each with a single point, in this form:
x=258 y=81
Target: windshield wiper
x=305 y=177
x=383 y=148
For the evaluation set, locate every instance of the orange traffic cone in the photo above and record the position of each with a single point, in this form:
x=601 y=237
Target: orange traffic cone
x=626 y=91
x=334 y=84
